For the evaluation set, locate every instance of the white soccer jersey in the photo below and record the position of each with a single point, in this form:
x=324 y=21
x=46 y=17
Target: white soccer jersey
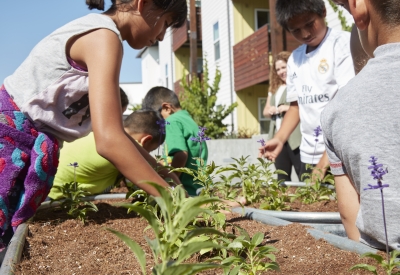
x=312 y=80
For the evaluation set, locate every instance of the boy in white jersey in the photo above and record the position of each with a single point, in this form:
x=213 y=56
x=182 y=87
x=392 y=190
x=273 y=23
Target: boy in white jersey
x=316 y=71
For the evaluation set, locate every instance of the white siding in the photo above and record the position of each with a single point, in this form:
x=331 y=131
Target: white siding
x=150 y=68
x=166 y=56
x=217 y=11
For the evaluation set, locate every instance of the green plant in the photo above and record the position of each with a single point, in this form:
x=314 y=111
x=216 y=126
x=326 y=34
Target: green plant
x=388 y=267
x=275 y=195
x=135 y=107
x=199 y=99
x=341 y=17
x=205 y=176
x=257 y=181
x=248 y=256
x=72 y=199
x=175 y=240
x=245 y=173
x=226 y=188
x=316 y=188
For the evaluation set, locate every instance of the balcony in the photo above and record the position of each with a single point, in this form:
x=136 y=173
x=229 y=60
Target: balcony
x=180 y=37
x=251 y=60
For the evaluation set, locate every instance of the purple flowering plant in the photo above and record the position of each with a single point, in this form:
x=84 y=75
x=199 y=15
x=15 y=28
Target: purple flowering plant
x=377 y=173
x=200 y=138
x=317 y=133
x=262 y=142
x=71 y=198
x=75 y=165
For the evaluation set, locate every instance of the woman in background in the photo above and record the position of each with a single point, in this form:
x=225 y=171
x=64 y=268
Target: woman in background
x=275 y=108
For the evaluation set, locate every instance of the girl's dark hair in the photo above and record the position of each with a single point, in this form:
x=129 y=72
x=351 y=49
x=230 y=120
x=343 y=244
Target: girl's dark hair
x=287 y=9
x=177 y=8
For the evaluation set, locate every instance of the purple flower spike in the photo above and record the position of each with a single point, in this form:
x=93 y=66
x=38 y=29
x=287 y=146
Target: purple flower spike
x=377 y=174
x=201 y=136
x=317 y=132
x=75 y=164
x=262 y=141
x=162 y=124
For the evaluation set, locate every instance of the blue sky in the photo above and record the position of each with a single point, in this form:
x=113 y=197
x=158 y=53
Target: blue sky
x=25 y=23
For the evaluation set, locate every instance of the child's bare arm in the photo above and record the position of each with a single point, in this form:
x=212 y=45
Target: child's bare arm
x=179 y=160
x=349 y=204
x=101 y=52
x=322 y=166
x=274 y=146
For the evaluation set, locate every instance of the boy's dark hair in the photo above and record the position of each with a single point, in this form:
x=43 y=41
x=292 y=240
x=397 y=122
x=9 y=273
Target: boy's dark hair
x=145 y=121
x=177 y=8
x=388 y=11
x=287 y=9
x=157 y=95
x=124 y=98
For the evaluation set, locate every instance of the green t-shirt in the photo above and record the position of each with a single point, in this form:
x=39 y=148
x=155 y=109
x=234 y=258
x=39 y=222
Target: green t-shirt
x=178 y=133
x=95 y=174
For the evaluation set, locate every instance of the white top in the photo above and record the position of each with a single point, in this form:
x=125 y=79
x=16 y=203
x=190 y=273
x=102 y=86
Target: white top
x=313 y=80
x=48 y=90
x=278 y=96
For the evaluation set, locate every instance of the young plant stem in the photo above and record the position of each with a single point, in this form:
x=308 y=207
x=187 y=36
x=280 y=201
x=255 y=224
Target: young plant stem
x=384 y=224
x=315 y=149
x=75 y=183
x=200 y=151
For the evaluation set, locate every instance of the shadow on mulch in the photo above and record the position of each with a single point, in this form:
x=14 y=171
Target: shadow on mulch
x=106 y=213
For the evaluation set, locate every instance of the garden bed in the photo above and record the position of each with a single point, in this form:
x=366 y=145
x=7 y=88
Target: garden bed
x=57 y=244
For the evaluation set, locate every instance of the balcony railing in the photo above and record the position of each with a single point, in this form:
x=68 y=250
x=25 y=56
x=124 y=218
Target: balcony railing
x=180 y=37
x=251 y=60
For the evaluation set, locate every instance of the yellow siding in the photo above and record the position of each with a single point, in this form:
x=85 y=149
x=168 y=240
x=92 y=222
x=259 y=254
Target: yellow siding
x=244 y=17
x=247 y=110
x=182 y=61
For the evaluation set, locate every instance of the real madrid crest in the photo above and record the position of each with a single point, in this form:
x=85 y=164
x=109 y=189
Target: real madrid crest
x=323 y=66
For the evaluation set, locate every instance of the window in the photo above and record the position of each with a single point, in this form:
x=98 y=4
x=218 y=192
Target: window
x=217 y=54
x=264 y=121
x=166 y=76
x=199 y=65
x=262 y=18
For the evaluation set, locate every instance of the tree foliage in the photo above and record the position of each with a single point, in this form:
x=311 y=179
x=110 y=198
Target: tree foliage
x=199 y=98
x=341 y=16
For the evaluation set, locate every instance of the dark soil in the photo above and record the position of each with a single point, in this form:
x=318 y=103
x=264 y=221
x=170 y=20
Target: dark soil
x=58 y=245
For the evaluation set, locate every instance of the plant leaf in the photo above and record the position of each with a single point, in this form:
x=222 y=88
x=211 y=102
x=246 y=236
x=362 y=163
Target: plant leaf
x=137 y=250
x=367 y=267
x=188 y=269
x=188 y=250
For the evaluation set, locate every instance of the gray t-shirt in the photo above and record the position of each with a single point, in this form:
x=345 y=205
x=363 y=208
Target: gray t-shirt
x=363 y=121
x=48 y=90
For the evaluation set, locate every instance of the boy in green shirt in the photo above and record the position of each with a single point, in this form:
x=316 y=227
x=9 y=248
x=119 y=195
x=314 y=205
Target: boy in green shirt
x=179 y=133
x=96 y=174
